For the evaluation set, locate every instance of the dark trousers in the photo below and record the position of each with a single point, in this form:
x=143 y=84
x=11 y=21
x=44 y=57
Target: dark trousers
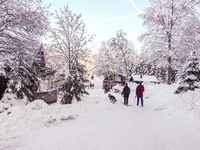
x=106 y=91
x=126 y=96
x=141 y=97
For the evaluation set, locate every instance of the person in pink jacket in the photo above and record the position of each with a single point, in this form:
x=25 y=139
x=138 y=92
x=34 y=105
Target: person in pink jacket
x=139 y=93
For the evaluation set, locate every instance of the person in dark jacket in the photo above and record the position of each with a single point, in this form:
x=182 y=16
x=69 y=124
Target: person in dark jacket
x=126 y=92
x=139 y=93
x=107 y=88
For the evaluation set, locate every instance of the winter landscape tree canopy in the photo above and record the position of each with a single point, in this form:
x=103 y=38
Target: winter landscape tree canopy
x=116 y=55
x=22 y=24
x=171 y=28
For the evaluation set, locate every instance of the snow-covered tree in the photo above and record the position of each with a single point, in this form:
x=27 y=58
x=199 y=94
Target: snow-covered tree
x=39 y=64
x=69 y=46
x=190 y=77
x=22 y=23
x=166 y=23
x=124 y=53
x=104 y=63
x=116 y=55
x=148 y=64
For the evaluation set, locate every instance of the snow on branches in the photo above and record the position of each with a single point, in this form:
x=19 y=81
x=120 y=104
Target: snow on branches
x=68 y=50
x=190 y=78
x=22 y=23
x=168 y=24
x=116 y=55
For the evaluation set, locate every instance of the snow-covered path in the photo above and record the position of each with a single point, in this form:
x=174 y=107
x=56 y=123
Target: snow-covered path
x=119 y=127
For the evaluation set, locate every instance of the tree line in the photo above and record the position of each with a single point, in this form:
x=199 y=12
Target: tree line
x=170 y=48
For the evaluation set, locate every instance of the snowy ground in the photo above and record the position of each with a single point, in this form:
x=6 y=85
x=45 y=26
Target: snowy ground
x=166 y=122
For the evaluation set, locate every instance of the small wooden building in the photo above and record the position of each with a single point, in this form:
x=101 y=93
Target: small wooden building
x=143 y=78
x=113 y=80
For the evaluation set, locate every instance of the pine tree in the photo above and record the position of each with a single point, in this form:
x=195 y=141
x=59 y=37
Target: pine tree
x=190 y=77
x=80 y=83
x=75 y=85
x=39 y=64
x=21 y=80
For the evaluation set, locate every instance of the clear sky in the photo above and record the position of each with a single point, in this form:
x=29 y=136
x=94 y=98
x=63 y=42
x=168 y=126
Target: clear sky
x=104 y=17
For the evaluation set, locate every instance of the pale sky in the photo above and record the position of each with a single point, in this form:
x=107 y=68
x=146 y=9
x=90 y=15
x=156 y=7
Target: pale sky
x=104 y=17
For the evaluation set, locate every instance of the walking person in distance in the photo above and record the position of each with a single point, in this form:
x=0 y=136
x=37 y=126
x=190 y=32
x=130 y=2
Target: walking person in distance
x=139 y=93
x=126 y=92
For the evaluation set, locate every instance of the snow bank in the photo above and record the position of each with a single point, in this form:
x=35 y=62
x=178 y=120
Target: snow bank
x=17 y=111
x=37 y=105
x=38 y=114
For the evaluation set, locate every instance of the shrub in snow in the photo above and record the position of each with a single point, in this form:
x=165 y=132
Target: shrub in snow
x=190 y=78
x=37 y=105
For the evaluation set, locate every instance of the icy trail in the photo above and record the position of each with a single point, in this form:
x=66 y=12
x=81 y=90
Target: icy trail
x=116 y=127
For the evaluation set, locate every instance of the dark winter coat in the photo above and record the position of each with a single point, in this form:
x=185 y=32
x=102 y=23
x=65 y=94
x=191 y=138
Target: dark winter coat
x=139 y=90
x=126 y=90
x=107 y=89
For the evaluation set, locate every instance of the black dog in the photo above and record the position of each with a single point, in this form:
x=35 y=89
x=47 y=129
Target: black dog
x=112 y=98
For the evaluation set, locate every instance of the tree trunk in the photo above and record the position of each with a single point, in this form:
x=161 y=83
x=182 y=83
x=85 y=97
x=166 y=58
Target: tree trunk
x=169 y=59
x=169 y=70
x=170 y=48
